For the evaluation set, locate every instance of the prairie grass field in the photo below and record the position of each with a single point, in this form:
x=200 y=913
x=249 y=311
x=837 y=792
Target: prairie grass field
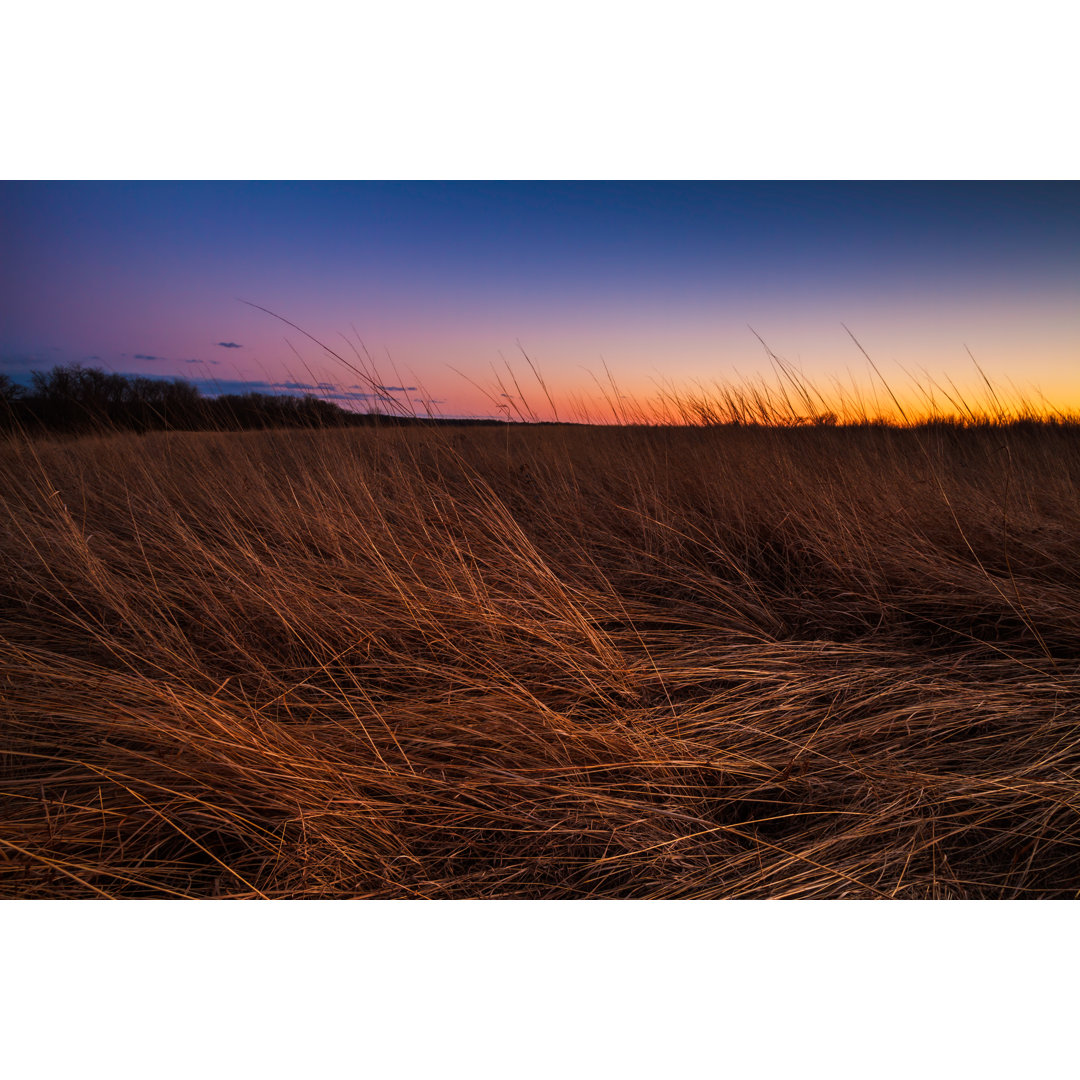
x=542 y=662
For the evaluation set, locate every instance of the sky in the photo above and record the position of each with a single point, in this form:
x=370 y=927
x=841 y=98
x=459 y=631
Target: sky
x=663 y=285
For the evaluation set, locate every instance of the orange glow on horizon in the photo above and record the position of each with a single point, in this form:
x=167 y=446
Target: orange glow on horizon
x=785 y=399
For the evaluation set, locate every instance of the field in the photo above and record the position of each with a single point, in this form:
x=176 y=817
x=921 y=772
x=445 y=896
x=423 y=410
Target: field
x=542 y=662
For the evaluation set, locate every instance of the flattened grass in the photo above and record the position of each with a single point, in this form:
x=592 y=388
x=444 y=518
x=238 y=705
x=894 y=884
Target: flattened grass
x=549 y=662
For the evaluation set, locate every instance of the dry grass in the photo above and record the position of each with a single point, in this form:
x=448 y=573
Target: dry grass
x=542 y=662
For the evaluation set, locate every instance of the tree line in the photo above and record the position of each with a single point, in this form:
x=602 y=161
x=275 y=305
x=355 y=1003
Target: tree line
x=72 y=398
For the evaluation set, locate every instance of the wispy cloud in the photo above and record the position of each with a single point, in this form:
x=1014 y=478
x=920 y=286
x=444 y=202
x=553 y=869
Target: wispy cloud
x=147 y=356
x=352 y=395
x=229 y=345
x=22 y=363
x=261 y=386
x=310 y=388
x=235 y=386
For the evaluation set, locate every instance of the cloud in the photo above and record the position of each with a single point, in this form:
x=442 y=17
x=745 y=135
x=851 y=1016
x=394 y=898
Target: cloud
x=397 y=389
x=145 y=356
x=152 y=378
x=229 y=345
x=351 y=393
x=26 y=361
x=333 y=390
x=196 y=361
x=234 y=386
x=261 y=386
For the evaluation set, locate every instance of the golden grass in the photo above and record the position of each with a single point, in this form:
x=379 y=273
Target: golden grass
x=542 y=663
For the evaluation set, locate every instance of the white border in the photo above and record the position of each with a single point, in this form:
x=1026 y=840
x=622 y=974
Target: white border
x=584 y=89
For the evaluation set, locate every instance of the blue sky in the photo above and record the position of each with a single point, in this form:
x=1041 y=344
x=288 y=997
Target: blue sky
x=660 y=281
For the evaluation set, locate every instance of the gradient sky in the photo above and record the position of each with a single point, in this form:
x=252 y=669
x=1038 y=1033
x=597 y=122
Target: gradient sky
x=659 y=281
